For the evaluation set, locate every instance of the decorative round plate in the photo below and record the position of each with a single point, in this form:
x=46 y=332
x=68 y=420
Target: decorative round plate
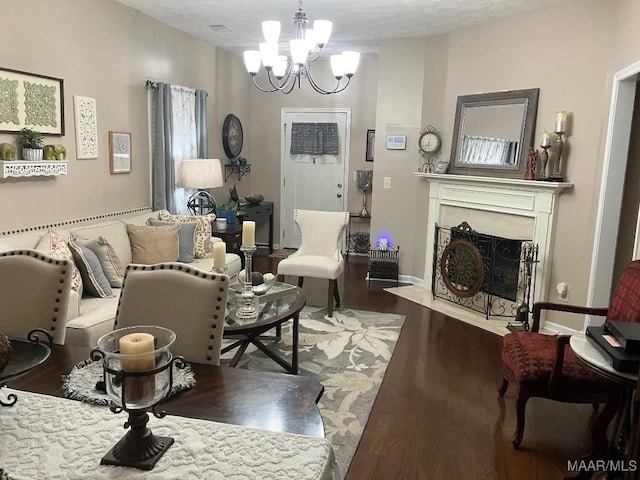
x=461 y=268
x=232 y=136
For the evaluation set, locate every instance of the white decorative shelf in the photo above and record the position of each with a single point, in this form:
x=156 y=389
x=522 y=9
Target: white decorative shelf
x=493 y=181
x=19 y=168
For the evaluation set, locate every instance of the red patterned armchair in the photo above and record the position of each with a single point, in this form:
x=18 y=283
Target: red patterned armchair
x=543 y=366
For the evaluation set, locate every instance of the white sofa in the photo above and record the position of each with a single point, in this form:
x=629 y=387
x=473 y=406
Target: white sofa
x=88 y=317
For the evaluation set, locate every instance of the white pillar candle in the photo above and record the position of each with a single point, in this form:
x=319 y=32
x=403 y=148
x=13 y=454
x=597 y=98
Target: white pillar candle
x=219 y=255
x=561 y=121
x=248 y=234
x=137 y=350
x=545 y=139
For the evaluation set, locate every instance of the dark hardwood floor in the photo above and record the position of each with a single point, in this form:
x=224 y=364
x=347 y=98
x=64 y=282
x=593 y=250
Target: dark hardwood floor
x=437 y=414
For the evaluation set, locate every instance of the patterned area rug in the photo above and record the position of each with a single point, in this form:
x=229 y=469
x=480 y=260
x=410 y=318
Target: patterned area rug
x=349 y=355
x=282 y=253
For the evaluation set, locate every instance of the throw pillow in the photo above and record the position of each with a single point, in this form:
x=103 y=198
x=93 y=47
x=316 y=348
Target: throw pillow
x=112 y=266
x=151 y=245
x=93 y=279
x=54 y=245
x=203 y=230
x=186 y=237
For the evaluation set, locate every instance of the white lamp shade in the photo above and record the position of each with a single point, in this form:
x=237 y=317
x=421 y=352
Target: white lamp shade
x=322 y=29
x=252 y=61
x=337 y=65
x=269 y=53
x=271 y=31
x=205 y=173
x=310 y=37
x=350 y=60
x=280 y=67
x=299 y=50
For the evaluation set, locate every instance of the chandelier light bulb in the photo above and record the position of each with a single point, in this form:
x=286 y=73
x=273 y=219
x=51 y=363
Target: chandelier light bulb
x=268 y=54
x=322 y=29
x=271 y=31
x=351 y=60
x=252 y=61
x=337 y=66
x=299 y=51
x=280 y=67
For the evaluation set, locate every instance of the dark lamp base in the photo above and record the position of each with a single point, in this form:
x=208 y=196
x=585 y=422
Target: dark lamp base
x=555 y=179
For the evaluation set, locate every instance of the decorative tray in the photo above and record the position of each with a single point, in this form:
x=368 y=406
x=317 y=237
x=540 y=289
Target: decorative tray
x=25 y=355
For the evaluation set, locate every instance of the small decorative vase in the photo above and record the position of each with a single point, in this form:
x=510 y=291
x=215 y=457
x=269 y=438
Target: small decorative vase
x=32 y=154
x=5 y=351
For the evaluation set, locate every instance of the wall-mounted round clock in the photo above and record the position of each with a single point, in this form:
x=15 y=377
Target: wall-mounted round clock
x=429 y=142
x=232 y=136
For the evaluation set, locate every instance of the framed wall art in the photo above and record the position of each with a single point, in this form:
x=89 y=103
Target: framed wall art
x=30 y=100
x=119 y=152
x=371 y=143
x=86 y=127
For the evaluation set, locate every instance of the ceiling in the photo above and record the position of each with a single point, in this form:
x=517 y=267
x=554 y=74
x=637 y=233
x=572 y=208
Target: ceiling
x=357 y=24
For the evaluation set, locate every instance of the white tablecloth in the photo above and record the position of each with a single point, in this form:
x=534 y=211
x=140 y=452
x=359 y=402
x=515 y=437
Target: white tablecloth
x=44 y=437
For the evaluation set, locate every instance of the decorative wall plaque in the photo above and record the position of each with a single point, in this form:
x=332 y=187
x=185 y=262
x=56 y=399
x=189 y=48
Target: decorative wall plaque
x=86 y=127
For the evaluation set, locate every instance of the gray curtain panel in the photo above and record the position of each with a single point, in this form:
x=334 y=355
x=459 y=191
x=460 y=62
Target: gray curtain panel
x=201 y=123
x=314 y=138
x=163 y=173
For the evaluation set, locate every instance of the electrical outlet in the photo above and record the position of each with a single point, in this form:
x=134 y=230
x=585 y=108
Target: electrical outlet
x=386 y=183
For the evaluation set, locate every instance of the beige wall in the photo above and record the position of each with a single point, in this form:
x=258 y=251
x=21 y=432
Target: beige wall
x=107 y=51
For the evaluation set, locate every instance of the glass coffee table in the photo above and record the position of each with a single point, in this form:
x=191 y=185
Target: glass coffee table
x=281 y=303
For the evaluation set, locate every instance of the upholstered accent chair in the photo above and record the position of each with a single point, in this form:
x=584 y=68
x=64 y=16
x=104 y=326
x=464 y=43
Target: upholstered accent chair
x=319 y=256
x=544 y=366
x=187 y=300
x=34 y=293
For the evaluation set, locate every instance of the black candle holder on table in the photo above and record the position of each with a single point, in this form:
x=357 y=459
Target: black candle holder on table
x=137 y=393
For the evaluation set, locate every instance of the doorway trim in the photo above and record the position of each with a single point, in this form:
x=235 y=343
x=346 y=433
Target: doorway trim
x=611 y=188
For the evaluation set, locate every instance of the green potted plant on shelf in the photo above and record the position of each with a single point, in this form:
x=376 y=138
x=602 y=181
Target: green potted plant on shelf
x=32 y=143
x=228 y=211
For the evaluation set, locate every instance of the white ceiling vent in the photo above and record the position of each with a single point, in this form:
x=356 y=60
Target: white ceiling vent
x=220 y=28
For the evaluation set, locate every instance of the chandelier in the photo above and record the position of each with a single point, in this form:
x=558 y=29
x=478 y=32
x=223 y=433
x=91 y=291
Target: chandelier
x=285 y=72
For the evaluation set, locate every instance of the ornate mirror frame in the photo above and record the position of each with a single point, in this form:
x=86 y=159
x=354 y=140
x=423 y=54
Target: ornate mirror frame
x=528 y=99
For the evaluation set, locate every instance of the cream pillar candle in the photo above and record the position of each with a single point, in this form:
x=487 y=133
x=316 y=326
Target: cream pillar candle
x=561 y=121
x=219 y=255
x=248 y=234
x=140 y=347
x=545 y=139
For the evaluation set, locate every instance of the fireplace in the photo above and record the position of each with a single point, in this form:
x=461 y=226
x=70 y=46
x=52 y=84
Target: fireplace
x=498 y=207
x=486 y=273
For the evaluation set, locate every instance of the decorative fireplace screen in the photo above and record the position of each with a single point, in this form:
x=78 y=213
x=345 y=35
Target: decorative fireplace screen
x=485 y=273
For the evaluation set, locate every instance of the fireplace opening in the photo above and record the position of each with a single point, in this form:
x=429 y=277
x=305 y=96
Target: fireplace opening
x=483 y=272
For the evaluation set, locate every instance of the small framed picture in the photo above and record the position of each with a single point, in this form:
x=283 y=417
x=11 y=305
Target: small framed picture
x=441 y=167
x=371 y=143
x=119 y=152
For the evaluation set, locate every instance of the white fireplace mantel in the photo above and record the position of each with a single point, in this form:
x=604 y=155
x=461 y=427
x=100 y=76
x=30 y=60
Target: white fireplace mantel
x=534 y=202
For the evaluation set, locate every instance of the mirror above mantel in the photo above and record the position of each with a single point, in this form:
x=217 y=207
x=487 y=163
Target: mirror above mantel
x=493 y=132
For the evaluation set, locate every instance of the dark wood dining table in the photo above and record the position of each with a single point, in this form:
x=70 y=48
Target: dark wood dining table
x=270 y=401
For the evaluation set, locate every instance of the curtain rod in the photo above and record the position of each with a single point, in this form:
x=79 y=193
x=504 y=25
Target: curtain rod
x=152 y=84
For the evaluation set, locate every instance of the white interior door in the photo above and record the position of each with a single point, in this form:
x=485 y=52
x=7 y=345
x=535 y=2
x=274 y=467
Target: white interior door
x=312 y=182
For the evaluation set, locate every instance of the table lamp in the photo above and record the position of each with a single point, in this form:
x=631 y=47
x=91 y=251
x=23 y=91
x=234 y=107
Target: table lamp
x=201 y=174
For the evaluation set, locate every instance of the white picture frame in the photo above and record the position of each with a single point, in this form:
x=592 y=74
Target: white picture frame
x=119 y=152
x=86 y=120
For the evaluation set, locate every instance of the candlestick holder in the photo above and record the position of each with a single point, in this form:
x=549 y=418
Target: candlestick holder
x=223 y=271
x=556 y=163
x=137 y=393
x=247 y=310
x=544 y=158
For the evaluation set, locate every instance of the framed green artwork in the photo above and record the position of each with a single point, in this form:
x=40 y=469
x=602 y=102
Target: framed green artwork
x=31 y=100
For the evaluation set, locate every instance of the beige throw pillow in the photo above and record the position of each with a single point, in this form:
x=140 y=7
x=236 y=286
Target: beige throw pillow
x=203 y=230
x=151 y=245
x=54 y=244
x=112 y=266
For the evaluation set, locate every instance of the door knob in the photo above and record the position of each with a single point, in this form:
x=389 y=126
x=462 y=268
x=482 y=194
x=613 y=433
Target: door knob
x=339 y=195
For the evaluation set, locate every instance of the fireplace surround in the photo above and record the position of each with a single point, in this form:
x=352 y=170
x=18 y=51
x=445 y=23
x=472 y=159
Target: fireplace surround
x=502 y=207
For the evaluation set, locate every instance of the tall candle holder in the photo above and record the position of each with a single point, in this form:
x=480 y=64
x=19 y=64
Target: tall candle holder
x=247 y=311
x=223 y=271
x=544 y=158
x=556 y=170
x=137 y=393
